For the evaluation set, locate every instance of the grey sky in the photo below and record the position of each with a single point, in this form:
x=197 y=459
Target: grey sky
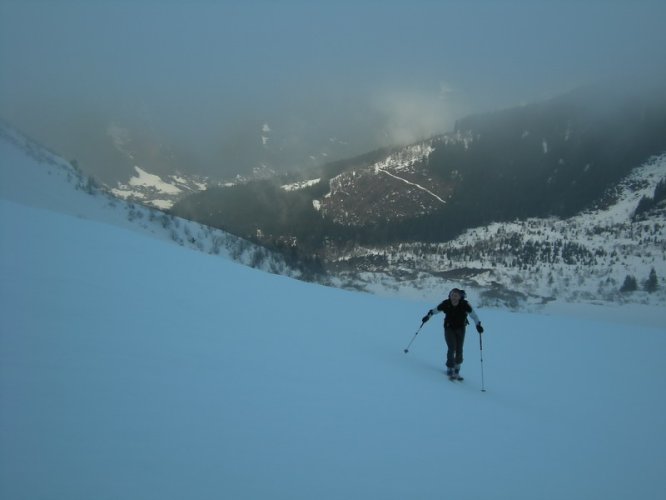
x=359 y=74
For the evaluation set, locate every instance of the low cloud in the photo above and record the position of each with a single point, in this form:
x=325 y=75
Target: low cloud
x=410 y=115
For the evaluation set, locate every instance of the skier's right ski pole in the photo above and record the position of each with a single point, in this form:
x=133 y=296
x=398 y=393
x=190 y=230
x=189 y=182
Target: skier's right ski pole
x=414 y=337
x=483 y=388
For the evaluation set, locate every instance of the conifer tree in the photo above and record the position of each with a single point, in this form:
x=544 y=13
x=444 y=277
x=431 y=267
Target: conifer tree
x=652 y=283
x=629 y=285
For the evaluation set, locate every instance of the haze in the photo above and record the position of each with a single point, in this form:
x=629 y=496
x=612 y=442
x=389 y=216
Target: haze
x=230 y=86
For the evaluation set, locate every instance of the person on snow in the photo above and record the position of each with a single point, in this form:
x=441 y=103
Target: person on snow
x=455 y=310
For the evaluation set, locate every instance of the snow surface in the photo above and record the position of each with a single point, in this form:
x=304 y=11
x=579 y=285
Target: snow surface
x=133 y=368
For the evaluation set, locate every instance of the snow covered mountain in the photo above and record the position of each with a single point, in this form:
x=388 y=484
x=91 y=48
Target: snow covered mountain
x=134 y=368
x=519 y=263
x=585 y=257
x=526 y=205
x=31 y=174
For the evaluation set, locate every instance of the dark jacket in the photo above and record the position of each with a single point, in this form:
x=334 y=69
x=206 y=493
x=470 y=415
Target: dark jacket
x=456 y=316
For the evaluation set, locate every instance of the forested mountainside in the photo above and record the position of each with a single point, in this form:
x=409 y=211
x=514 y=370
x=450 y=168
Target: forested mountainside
x=554 y=158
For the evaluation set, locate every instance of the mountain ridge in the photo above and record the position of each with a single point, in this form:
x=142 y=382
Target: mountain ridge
x=552 y=160
x=383 y=250
x=30 y=174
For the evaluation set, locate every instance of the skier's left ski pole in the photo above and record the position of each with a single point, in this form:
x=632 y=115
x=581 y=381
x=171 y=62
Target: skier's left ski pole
x=413 y=338
x=483 y=387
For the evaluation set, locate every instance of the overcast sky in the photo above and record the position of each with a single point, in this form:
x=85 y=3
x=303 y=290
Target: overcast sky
x=360 y=73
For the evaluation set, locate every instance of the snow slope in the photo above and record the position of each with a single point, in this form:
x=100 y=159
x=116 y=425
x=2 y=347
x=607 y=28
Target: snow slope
x=132 y=368
x=34 y=176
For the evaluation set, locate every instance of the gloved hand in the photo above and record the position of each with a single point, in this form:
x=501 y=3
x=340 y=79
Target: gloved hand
x=426 y=317
x=479 y=328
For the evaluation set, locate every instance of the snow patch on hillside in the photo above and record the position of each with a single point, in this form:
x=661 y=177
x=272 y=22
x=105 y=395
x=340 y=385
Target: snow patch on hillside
x=295 y=186
x=153 y=190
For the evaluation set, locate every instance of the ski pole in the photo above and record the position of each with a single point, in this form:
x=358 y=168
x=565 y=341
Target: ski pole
x=414 y=337
x=483 y=387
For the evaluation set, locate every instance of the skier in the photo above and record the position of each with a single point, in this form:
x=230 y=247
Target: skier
x=455 y=310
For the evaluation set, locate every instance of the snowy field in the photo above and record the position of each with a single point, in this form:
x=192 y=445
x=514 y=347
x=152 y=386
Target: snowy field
x=134 y=368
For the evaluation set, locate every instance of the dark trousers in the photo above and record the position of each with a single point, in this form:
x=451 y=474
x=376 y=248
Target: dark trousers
x=455 y=338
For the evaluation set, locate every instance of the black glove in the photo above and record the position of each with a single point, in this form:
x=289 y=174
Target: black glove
x=479 y=328
x=426 y=317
